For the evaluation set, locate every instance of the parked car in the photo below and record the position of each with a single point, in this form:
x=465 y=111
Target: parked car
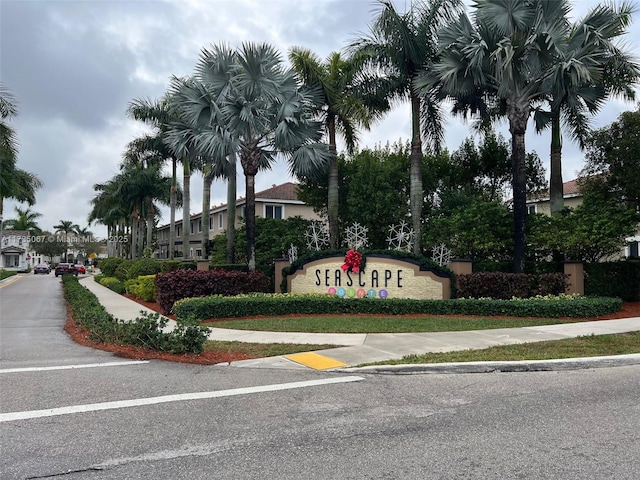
x=66 y=268
x=41 y=268
x=80 y=268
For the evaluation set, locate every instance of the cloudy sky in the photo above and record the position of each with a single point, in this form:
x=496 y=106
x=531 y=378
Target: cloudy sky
x=73 y=67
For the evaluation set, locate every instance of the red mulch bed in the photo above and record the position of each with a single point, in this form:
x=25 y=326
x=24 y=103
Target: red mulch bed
x=629 y=309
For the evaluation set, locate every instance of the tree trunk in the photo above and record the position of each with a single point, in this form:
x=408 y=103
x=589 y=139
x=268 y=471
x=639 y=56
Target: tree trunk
x=150 y=225
x=250 y=219
x=186 y=199
x=517 y=126
x=172 y=202
x=556 y=194
x=231 y=210
x=206 y=206
x=416 y=194
x=134 y=235
x=333 y=199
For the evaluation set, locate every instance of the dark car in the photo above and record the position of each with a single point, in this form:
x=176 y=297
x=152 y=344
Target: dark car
x=66 y=268
x=41 y=268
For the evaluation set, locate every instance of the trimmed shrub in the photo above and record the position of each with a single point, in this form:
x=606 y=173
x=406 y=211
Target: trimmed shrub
x=179 y=284
x=505 y=286
x=108 y=266
x=98 y=278
x=143 y=287
x=218 y=306
x=615 y=279
x=114 y=284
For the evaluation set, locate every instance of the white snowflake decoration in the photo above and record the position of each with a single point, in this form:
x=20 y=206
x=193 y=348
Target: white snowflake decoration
x=356 y=236
x=292 y=253
x=316 y=236
x=441 y=254
x=400 y=237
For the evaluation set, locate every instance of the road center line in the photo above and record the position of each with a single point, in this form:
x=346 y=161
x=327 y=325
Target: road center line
x=72 y=367
x=94 y=407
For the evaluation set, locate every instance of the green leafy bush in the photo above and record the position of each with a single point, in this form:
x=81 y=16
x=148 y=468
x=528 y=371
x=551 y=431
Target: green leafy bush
x=143 y=287
x=219 y=306
x=108 y=266
x=145 y=331
x=504 y=286
x=114 y=284
x=98 y=278
x=615 y=279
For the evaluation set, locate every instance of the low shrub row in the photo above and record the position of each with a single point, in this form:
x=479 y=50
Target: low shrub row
x=7 y=273
x=145 y=331
x=504 y=286
x=315 y=304
x=179 y=284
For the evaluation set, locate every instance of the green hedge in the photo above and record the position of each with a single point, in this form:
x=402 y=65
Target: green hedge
x=613 y=279
x=145 y=331
x=7 y=273
x=317 y=304
x=112 y=283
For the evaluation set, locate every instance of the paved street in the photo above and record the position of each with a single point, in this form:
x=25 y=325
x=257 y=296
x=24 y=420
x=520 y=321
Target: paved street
x=117 y=419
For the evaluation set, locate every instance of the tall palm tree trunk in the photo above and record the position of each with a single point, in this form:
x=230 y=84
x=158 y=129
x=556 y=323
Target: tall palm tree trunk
x=517 y=127
x=556 y=194
x=206 y=206
x=333 y=199
x=231 y=209
x=150 y=222
x=250 y=163
x=173 y=199
x=416 y=195
x=134 y=235
x=186 y=199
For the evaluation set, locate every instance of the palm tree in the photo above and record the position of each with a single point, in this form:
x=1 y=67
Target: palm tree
x=590 y=69
x=260 y=112
x=26 y=221
x=139 y=187
x=15 y=183
x=67 y=227
x=109 y=209
x=500 y=62
x=399 y=47
x=157 y=114
x=345 y=107
x=197 y=103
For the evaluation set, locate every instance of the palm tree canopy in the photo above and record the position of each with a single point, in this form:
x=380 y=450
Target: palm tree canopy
x=25 y=220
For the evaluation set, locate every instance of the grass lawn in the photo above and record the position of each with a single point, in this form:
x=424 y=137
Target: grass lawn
x=381 y=324
x=587 y=346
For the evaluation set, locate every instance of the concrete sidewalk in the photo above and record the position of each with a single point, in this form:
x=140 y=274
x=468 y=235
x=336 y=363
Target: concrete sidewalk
x=357 y=349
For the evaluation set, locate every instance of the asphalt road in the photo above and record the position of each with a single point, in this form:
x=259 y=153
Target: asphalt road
x=115 y=419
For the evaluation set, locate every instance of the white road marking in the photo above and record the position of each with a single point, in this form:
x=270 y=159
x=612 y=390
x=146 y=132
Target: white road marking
x=72 y=367
x=94 y=407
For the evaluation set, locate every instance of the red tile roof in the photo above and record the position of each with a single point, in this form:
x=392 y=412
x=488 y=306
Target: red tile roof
x=286 y=191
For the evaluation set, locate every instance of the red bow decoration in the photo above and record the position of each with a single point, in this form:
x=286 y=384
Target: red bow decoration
x=352 y=261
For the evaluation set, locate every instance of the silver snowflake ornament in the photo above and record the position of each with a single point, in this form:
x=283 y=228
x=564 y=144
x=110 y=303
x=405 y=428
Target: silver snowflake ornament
x=441 y=255
x=356 y=236
x=400 y=237
x=316 y=236
x=292 y=253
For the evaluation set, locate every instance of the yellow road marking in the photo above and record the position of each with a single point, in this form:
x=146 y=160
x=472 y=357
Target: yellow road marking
x=315 y=361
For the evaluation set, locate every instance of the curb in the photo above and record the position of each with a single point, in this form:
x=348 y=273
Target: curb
x=499 y=367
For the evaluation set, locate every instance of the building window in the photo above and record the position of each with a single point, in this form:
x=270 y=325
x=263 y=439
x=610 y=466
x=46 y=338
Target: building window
x=220 y=221
x=191 y=228
x=273 y=211
x=178 y=231
x=200 y=225
x=531 y=209
x=198 y=253
x=210 y=223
